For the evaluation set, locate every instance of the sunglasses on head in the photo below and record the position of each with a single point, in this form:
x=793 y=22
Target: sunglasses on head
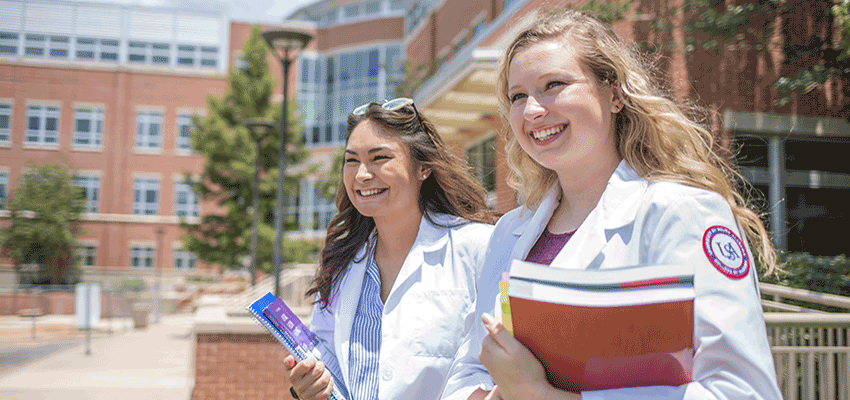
x=391 y=105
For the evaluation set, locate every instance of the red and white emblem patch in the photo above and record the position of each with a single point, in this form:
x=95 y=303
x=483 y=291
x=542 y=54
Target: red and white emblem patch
x=726 y=251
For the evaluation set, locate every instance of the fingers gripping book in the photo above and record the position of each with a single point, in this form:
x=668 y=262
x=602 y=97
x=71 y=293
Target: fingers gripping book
x=274 y=315
x=606 y=329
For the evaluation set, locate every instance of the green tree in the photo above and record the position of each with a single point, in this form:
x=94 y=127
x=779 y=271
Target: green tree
x=44 y=210
x=801 y=33
x=223 y=236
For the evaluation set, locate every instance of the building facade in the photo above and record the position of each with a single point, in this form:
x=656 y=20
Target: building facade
x=355 y=58
x=792 y=154
x=110 y=91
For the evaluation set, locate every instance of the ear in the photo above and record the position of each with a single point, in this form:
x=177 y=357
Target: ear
x=424 y=173
x=617 y=102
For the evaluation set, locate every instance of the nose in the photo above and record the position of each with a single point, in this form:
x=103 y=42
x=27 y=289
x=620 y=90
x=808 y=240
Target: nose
x=363 y=174
x=533 y=109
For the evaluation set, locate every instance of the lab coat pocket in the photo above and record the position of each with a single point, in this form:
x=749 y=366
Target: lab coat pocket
x=439 y=321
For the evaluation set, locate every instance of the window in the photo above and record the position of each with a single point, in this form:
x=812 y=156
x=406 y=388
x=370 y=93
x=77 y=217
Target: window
x=209 y=57
x=185 y=200
x=184 y=259
x=88 y=127
x=160 y=53
x=96 y=49
x=373 y=7
x=145 y=196
x=86 y=49
x=482 y=159
x=184 y=124
x=59 y=46
x=352 y=10
x=149 y=130
x=42 y=125
x=87 y=255
x=34 y=45
x=142 y=256
x=137 y=52
x=109 y=50
x=9 y=43
x=4 y=187
x=5 y=122
x=91 y=191
x=186 y=55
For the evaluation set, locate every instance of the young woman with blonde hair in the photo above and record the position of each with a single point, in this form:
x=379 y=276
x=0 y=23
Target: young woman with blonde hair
x=612 y=173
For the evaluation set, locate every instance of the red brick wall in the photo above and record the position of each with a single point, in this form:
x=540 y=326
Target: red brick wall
x=239 y=366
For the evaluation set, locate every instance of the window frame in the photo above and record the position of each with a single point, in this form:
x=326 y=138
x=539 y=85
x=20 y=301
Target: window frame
x=90 y=183
x=145 y=118
x=141 y=186
x=43 y=112
x=96 y=121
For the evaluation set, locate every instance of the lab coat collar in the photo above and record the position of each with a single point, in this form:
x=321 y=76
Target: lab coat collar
x=429 y=238
x=616 y=208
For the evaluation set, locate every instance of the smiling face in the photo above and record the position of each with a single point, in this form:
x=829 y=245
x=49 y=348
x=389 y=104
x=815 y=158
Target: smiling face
x=559 y=114
x=380 y=177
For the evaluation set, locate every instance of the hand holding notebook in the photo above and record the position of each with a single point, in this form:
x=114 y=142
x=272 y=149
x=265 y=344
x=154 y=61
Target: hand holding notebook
x=274 y=315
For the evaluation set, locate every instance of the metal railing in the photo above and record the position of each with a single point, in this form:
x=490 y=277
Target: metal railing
x=294 y=282
x=811 y=348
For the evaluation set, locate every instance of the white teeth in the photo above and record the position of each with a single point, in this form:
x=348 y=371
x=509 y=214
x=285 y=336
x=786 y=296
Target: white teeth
x=546 y=133
x=369 y=192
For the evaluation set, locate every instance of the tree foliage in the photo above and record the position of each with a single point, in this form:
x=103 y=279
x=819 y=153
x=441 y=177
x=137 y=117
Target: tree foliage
x=223 y=235
x=44 y=210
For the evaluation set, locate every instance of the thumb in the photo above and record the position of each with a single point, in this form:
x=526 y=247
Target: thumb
x=496 y=330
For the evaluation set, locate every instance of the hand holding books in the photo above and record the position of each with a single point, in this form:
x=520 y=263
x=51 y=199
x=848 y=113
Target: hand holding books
x=512 y=366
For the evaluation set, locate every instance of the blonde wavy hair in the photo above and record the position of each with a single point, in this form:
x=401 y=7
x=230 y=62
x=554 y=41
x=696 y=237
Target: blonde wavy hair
x=655 y=135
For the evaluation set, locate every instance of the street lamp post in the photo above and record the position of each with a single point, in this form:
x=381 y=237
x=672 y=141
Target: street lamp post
x=282 y=42
x=258 y=127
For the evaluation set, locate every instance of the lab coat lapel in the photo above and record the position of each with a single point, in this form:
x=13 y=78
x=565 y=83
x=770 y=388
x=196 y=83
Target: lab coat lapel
x=616 y=208
x=529 y=230
x=429 y=238
x=348 y=299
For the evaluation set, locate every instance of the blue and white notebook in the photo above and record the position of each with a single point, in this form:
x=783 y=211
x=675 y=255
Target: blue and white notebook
x=296 y=338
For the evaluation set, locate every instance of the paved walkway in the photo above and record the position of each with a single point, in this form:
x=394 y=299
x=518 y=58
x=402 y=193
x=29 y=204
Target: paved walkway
x=128 y=364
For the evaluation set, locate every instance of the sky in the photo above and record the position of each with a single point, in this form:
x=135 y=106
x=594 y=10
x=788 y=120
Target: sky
x=241 y=10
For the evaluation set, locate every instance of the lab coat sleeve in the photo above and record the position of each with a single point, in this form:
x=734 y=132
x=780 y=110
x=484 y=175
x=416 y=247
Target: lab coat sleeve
x=467 y=373
x=732 y=359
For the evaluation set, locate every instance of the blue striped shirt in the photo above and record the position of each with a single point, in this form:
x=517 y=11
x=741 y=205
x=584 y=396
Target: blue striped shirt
x=365 y=347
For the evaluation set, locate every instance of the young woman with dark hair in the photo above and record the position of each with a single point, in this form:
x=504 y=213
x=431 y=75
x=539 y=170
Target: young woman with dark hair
x=396 y=284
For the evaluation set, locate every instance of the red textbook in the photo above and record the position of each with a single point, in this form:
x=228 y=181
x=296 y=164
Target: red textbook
x=606 y=329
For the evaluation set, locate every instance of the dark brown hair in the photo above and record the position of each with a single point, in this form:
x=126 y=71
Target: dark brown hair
x=449 y=189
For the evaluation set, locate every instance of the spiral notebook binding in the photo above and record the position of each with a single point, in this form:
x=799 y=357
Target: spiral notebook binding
x=256 y=309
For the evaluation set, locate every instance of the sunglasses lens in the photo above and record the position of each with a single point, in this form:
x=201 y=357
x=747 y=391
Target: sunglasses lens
x=360 y=110
x=395 y=104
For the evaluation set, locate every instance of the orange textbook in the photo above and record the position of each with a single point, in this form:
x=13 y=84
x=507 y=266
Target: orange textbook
x=606 y=329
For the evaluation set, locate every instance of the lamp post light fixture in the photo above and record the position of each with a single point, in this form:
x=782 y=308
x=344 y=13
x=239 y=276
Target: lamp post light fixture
x=282 y=42
x=259 y=128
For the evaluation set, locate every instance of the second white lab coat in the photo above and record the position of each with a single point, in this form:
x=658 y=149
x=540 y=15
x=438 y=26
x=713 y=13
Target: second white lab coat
x=428 y=312
x=637 y=222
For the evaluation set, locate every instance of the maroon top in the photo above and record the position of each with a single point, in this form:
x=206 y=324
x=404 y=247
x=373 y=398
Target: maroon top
x=547 y=247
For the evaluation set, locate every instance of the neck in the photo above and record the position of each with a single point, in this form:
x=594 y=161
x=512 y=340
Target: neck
x=395 y=239
x=580 y=193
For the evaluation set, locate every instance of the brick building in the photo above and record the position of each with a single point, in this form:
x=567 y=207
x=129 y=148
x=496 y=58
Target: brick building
x=792 y=154
x=110 y=90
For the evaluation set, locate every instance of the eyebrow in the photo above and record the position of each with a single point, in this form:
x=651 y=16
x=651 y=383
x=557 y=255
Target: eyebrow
x=372 y=150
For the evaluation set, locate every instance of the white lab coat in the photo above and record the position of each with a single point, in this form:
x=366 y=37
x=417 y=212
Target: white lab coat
x=428 y=312
x=637 y=222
